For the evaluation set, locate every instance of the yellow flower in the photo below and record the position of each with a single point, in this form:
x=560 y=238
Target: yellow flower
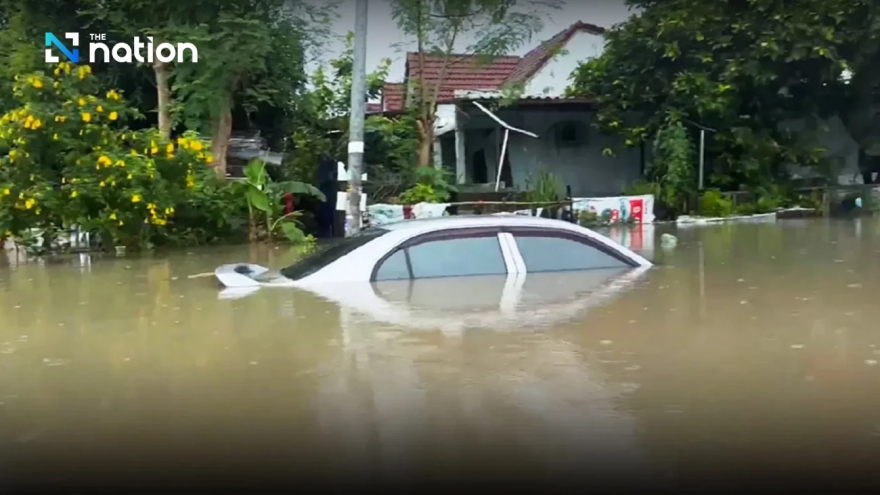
x=99 y=109
x=113 y=216
x=37 y=83
x=121 y=223
x=154 y=148
x=37 y=124
x=30 y=203
x=86 y=117
x=55 y=137
x=57 y=71
x=105 y=161
x=134 y=153
x=20 y=195
x=196 y=146
x=7 y=191
x=182 y=142
x=209 y=159
x=170 y=148
x=120 y=163
x=112 y=94
x=102 y=184
x=74 y=194
x=136 y=198
x=169 y=211
x=114 y=116
x=60 y=118
x=129 y=177
x=84 y=70
x=81 y=102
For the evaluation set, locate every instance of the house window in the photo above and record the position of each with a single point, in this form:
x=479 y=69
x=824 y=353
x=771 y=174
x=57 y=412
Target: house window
x=570 y=133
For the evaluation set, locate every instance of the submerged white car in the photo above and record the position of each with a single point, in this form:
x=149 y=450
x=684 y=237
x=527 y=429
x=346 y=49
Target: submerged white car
x=444 y=247
x=454 y=273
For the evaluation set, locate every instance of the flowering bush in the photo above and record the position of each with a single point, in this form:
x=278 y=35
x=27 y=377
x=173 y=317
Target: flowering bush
x=69 y=159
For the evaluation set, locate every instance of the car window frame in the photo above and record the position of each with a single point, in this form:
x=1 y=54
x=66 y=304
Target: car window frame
x=565 y=234
x=447 y=234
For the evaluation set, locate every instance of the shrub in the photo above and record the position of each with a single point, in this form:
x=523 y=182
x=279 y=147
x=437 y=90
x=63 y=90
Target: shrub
x=70 y=160
x=714 y=204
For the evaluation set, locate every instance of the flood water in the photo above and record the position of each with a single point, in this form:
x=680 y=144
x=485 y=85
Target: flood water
x=750 y=350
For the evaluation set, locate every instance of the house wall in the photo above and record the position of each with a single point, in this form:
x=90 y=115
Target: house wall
x=581 y=165
x=553 y=78
x=830 y=134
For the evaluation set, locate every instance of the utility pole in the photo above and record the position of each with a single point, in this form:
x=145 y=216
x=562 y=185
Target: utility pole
x=356 y=119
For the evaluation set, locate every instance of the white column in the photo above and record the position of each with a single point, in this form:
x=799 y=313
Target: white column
x=460 y=158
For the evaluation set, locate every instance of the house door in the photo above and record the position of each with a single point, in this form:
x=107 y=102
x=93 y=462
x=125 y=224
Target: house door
x=480 y=168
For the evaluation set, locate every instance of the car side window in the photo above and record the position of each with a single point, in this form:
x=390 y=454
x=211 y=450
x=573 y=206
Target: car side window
x=393 y=268
x=461 y=257
x=556 y=254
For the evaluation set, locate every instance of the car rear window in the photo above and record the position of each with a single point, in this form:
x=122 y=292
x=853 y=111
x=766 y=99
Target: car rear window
x=329 y=252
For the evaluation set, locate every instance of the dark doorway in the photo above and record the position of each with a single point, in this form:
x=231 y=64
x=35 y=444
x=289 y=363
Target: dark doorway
x=480 y=170
x=327 y=183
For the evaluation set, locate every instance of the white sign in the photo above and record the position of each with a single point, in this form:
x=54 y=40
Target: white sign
x=620 y=209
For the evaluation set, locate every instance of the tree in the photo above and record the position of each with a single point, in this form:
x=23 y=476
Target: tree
x=322 y=115
x=251 y=55
x=441 y=26
x=740 y=67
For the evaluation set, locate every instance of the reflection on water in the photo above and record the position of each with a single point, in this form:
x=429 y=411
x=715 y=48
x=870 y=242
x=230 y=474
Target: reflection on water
x=751 y=349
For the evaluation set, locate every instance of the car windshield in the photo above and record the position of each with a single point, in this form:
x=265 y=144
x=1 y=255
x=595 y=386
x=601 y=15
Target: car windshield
x=330 y=252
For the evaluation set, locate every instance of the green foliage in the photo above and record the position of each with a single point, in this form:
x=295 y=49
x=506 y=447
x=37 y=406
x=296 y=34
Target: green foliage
x=715 y=204
x=672 y=171
x=323 y=114
x=587 y=218
x=264 y=199
x=641 y=188
x=432 y=185
x=69 y=160
x=420 y=193
x=545 y=189
x=740 y=68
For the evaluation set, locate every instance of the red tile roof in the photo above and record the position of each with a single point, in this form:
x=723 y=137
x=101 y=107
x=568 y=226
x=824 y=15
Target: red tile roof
x=467 y=71
x=462 y=72
x=533 y=61
x=393 y=97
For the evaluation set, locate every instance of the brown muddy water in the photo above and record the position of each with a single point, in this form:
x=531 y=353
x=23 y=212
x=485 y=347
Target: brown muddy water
x=749 y=351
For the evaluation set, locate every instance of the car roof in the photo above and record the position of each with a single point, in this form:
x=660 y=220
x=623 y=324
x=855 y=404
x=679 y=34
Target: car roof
x=464 y=221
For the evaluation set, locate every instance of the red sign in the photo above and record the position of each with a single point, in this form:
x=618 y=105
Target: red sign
x=637 y=209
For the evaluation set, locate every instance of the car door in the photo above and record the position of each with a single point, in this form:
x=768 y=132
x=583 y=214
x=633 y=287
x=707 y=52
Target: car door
x=453 y=272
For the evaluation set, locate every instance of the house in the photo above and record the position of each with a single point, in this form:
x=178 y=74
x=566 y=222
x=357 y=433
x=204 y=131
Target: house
x=495 y=146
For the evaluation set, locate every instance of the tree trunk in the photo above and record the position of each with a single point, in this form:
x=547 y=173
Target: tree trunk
x=426 y=146
x=163 y=87
x=220 y=141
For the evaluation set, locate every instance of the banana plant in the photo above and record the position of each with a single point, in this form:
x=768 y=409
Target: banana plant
x=264 y=197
